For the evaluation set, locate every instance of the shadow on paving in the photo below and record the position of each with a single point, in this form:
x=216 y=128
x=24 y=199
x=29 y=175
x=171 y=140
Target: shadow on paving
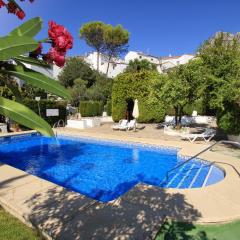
x=136 y=215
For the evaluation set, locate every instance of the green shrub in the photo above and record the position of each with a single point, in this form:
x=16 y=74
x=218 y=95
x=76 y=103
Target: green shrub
x=137 y=85
x=48 y=104
x=229 y=120
x=109 y=108
x=91 y=108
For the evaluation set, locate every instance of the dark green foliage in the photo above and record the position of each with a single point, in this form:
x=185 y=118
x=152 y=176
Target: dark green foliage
x=78 y=91
x=101 y=90
x=140 y=86
x=220 y=86
x=91 y=108
x=27 y=91
x=229 y=120
x=109 y=108
x=179 y=87
x=76 y=68
x=138 y=65
x=47 y=104
x=198 y=106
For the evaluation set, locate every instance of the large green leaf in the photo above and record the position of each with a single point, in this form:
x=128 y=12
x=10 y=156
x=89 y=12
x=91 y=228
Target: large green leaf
x=39 y=80
x=32 y=61
x=29 y=28
x=13 y=46
x=24 y=116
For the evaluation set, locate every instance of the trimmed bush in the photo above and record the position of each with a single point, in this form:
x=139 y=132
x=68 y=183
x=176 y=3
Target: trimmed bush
x=91 y=108
x=141 y=86
x=48 y=104
x=109 y=108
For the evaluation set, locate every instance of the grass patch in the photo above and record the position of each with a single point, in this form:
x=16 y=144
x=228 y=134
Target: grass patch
x=13 y=229
x=186 y=231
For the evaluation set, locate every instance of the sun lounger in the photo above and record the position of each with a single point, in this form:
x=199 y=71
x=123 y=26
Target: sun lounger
x=122 y=124
x=131 y=125
x=207 y=135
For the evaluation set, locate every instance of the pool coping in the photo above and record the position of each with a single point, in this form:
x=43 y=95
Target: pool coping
x=220 y=204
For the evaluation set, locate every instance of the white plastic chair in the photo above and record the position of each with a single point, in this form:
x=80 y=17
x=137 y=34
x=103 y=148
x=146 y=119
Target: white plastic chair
x=122 y=124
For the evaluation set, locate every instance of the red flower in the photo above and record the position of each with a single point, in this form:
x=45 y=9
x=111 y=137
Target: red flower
x=12 y=7
x=2 y=3
x=57 y=57
x=61 y=38
x=20 y=14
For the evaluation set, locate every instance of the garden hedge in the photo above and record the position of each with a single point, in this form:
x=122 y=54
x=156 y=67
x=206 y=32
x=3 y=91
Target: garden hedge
x=91 y=108
x=109 y=107
x=48 y=104
x=141 y=86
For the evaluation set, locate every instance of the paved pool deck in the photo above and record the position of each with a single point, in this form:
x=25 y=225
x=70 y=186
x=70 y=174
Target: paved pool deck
x=62 y=214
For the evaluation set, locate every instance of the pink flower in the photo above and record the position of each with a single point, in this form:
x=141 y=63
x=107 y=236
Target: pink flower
x=61 y=38
x=57 y=57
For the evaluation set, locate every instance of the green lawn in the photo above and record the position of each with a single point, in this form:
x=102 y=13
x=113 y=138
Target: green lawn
x=184 y=231
x=12 y=229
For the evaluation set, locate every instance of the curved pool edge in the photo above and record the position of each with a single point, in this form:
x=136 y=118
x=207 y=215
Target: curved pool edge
x=217 y=203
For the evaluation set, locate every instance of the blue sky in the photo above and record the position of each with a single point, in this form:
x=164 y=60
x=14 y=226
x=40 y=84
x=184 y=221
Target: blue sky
x=157 y=27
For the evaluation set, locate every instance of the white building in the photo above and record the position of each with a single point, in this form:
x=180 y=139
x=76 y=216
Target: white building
x=117 y=66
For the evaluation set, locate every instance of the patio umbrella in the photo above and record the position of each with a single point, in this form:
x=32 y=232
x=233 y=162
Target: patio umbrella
x=135 y=109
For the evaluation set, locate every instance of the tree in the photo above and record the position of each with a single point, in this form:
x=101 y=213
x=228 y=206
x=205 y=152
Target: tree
x=101 y=90
x=78 y=91
x=180 y=87
x=76 y=68
x=115 y=40
x=138 y=65
x=221 y=87
x=221 y=58
x=93 y=34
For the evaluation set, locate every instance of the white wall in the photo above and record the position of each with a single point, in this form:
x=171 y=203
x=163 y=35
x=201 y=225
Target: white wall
x=120 y=65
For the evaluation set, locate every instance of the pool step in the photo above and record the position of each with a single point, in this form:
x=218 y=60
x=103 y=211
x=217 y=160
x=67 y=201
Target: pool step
x=190 y=176
x=208 y=175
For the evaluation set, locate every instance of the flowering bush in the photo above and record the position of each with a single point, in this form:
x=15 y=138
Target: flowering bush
x=21 y=48
x=14 y=8
x=61 y=41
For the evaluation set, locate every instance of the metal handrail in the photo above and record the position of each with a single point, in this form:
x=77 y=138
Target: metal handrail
x=57 y=125
x=196 y=155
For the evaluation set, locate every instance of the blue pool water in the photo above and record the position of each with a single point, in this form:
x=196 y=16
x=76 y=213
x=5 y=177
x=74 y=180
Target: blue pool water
x=103 y=170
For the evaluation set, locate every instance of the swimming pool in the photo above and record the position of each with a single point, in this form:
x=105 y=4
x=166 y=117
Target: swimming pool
x=103 y=170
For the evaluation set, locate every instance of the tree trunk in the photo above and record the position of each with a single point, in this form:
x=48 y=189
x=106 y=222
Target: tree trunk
x=98 y=57
x=180 y=115
x=176 y=115
x=109 y=59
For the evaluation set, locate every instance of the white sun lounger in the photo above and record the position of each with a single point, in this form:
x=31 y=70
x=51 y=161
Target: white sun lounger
x=122 y=123
x=131 y=125
x=207 y=135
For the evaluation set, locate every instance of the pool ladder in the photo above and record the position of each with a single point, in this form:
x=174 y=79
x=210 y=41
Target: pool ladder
x=203 y=151
x=57 y=125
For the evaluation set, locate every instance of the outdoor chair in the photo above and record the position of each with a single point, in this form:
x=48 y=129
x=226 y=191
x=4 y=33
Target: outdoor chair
x=207 y=135
x=122 y=124
x=131 y=125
